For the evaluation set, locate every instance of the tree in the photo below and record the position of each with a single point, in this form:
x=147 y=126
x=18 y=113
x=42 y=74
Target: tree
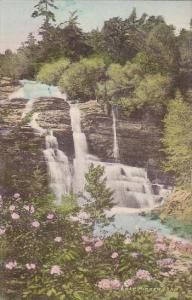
x=80 y=80
x=114 y=39
x=153 y=93
x=44 y=9
x=73 y=41
x=178 y=140
x=122 y=39
x=51 y=73
x=47 y=30
x=162 y=45
x=100 y=197
x=185 y=46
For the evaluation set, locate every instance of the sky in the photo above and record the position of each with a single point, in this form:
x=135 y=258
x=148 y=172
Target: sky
x=16 y=22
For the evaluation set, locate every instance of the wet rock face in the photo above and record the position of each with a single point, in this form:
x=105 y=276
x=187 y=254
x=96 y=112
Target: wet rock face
x=54 y=114
x=7 y=86
x=138 y=140
x=22 y=163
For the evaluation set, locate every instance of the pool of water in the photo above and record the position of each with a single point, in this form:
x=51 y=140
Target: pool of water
x=33 y=89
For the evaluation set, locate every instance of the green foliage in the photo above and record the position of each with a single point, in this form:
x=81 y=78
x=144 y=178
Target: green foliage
x=147 y=63
x=74 y=43
x=178 y=140
x=43 y=9
x=185 y=44
x=18 y=66
x=122 y=80
x=72 y=266
x=153 y=91
x=129 y=87
x=50 y=73
x=162 y=44
x=100 y=197
x=80 y=79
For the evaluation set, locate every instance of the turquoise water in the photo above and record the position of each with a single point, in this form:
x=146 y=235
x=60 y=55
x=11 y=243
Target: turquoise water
x=132 y=222
x=33 y=89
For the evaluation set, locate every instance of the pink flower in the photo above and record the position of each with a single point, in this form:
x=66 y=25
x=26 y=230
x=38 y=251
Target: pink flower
x=15 y=216
x=30 y=266
x=114 y=255
x=11 y=265
x=29 y=208
x=56 y=270
x=88 y=249
x=104 y=284
x=35 y=224
x=86 y=239
x=143 y=274
x=58 y=239
x=160 y=239
x=2 y=231
x=99 y=243
x=127 y=241
x=50 y=216
x=129 y=282
x=115 y=284
x=159 y=247
x=12 y=207
x=32 y=209
x=16 y=195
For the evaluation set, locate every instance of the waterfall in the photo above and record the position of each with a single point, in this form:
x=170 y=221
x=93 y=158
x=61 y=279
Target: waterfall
x=58 y=167
x=81 y=149
x=115 y=142
x=57 y=162
x=132 y=189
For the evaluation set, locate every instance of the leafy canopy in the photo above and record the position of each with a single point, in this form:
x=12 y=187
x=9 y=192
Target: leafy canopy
x=178 y=140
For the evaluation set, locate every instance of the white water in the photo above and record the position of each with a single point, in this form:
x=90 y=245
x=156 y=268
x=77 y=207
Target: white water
x=57 y=162
x=115 y=142
x=58 y=167
x=132 y=189
x=81 y=149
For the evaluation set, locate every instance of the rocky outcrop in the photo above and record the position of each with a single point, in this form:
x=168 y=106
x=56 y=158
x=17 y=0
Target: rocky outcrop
x=7 y=86
x=22 y=163
x=178 y=206
x=21 y=160
x=54 y=114
x=138 y=140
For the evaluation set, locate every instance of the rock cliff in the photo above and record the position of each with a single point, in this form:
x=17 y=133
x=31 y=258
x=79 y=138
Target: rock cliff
x=22 y=159
x=138 y=140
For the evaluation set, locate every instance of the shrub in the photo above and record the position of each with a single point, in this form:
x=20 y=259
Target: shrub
x=178 y=140
x=52 y=253
x=50 y=73
x=80 y=79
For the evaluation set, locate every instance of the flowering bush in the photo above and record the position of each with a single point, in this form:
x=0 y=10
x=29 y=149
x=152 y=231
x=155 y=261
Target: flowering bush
x=47 y=255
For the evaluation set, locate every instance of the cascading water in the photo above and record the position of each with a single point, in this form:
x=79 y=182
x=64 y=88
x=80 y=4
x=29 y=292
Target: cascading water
x=57 y=161
x=81 y=149
x=115 y=142
x=58 y=166
x=131 y=186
